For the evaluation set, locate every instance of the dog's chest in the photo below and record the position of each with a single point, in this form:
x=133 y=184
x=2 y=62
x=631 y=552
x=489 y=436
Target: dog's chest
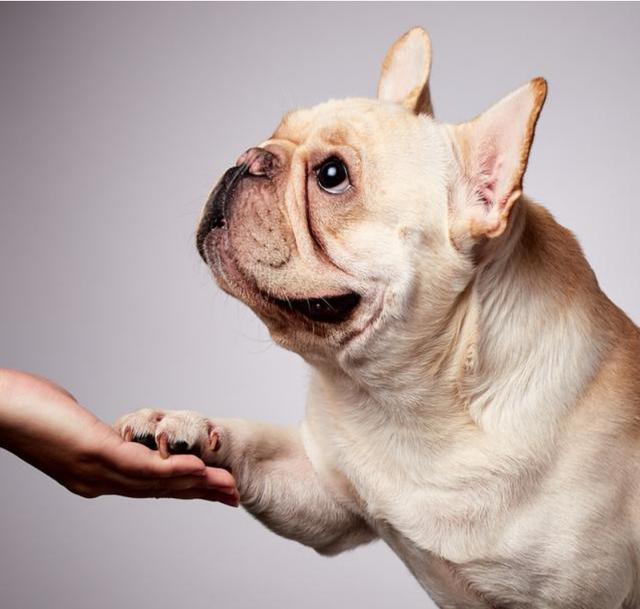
x=410 y=517
x=410 y=521
x=447 y=528
x=465 y=541
x=407 y=521
x=394 y=483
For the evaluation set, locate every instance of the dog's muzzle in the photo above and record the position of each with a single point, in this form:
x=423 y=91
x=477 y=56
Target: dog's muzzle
x=255 y=162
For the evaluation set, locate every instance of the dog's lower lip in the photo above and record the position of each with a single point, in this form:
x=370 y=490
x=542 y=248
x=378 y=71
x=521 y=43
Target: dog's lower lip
x=328 y=309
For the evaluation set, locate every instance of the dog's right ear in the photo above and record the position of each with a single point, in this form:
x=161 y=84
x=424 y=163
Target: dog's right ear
x=493 y=151
x=405 y=72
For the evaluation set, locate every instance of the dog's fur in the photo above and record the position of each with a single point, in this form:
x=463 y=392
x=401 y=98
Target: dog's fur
x=480 y=410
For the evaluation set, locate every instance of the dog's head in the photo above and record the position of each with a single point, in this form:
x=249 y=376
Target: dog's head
x=360 y=215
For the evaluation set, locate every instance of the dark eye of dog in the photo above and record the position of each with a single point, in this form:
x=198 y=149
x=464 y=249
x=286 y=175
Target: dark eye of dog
x=333 y=176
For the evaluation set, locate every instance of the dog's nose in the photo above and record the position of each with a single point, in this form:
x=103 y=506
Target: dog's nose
x=258 y=162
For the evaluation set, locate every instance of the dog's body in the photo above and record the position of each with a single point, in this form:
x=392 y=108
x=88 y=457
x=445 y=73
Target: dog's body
x=475 y=400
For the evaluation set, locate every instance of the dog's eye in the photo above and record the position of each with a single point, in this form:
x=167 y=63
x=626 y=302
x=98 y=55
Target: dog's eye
x=333 y=176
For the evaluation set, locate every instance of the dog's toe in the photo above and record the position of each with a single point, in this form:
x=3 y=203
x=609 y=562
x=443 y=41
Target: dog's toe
x=175 y=432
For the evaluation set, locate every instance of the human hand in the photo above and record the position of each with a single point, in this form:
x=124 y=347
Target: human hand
x=44 y=425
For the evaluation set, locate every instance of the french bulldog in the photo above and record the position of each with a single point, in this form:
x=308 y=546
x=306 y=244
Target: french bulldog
x=475 y=398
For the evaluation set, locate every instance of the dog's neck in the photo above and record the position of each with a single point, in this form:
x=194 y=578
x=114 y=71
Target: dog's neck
x=537 y=345
x=509 y=358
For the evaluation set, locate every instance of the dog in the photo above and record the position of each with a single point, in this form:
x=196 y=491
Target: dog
x=475 y=398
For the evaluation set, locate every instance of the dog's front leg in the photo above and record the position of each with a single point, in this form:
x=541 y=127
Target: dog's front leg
x=276 y=480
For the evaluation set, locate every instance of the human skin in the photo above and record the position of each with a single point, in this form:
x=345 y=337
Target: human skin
x=44 y=425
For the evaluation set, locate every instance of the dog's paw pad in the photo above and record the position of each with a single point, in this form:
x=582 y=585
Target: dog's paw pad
x=184 y=448
x=147 y=440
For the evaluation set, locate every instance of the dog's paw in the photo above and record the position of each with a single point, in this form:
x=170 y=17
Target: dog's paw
x=174 y=432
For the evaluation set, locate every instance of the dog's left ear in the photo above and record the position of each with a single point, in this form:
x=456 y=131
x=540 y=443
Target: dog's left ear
x=493 y=151
x=405 y=72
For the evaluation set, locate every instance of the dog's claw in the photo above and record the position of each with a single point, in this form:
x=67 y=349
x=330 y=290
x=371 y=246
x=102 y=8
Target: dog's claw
x=214 y=440
x=163 y=446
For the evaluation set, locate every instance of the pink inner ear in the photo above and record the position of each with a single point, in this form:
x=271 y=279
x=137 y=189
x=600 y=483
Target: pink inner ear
x=497 y=157
x=495 y=149
x=487 y=194
x=488 y=176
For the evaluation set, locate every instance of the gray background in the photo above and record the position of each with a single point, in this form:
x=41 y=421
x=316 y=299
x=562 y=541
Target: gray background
x=115 y=121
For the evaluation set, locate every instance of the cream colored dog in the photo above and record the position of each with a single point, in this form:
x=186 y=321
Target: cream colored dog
x=475 y=399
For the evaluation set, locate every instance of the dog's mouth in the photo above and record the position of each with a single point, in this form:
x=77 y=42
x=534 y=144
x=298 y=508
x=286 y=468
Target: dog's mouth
x=332 y=309
x=329 y=309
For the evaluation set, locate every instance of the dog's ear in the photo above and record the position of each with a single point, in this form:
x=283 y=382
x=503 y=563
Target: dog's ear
x=493 y=151
x=405 y=72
